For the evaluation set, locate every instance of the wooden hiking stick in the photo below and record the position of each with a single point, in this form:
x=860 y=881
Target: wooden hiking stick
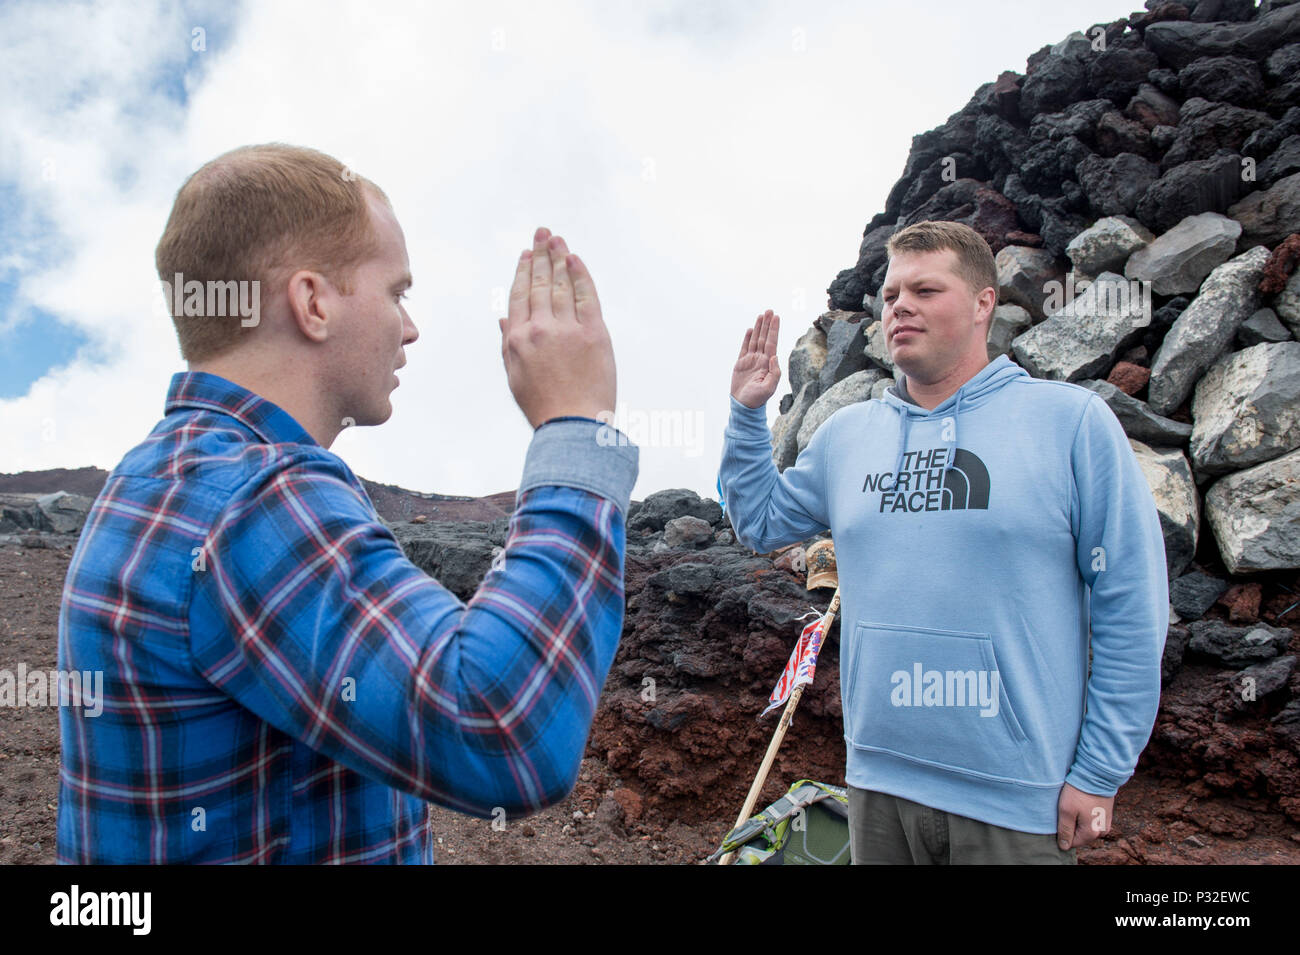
x=787 y=715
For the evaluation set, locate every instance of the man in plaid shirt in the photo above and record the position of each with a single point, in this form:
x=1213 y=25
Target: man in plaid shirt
x=280 y=683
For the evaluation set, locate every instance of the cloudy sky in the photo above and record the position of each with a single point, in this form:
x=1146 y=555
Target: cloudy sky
x=708 y=160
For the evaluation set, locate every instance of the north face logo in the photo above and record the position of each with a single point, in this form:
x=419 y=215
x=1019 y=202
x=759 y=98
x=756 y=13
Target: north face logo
x=926 y=484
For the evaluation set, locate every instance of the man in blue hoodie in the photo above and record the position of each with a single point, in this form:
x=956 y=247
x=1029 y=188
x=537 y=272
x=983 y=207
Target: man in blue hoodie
x=989 y=529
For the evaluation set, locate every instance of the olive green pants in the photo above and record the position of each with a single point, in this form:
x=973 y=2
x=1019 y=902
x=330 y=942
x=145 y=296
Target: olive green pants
x=890 y=830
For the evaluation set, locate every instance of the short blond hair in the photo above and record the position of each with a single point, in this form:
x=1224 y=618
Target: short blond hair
x=975 y=263
x=259 y=213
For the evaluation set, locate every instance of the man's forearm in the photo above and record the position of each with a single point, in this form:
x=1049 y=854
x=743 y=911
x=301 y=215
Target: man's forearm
x=560 y=592
x=769 y=509
x=312 y=617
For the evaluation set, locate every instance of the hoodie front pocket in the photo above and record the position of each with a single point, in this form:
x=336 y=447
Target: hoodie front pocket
x=935 y=696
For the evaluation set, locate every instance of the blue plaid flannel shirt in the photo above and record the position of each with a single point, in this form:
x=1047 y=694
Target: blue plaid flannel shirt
x=282 y=685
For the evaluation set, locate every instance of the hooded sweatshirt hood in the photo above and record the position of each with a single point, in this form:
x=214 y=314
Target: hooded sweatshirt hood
x=991 y=379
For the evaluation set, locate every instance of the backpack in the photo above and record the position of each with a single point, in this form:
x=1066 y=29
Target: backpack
x=809 y=825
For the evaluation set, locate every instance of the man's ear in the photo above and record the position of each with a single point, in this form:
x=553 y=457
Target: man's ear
x=312 y=300
x=985 y=302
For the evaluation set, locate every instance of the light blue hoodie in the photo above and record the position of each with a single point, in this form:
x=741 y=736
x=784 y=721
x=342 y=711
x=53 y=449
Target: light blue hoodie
x=1019 y=516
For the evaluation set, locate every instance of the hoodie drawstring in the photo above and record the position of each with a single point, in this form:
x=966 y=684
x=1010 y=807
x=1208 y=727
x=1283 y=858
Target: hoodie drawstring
x=904 y=419
x=952 y=443
x=904 y=427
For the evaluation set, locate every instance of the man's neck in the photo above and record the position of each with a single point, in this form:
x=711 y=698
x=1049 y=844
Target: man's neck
x=281 y=387
x=932 y=394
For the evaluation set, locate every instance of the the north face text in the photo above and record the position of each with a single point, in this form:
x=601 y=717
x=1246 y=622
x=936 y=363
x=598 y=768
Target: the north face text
x=926 y=483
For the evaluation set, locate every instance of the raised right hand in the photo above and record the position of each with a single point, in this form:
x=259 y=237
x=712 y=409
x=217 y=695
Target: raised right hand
x=556 y=348
x=755 y=377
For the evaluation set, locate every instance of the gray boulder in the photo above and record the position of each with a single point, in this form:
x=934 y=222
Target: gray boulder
x=1179 y=42
x=1261 y=680
x=1171 y=660
x=1083 y=338
x=1269 y=216
x=1205 y=128
x=1115 y=185
x=785 y=430
x=1005 y=325
x=1247 y=408
x=1228 y=297
x=1262 y=328
x=857 y=387
x=1106 y=245
x=1024 y=275
x=1152 y=108
x=457 y=553
x=1237 y=646
x=1255 y=516
x=1225 y=79
x=1284 y=161
x=1192 y=594
x=654 y=513
x=1287 y=304
x=1170 y=478
x=1202 y=185
x=1180 y=259
x=1137 y=418
x=845 y=342
x=55 y=513
x=877 y=349
x=688 y=532
x=1059 y=80
x=807 y=358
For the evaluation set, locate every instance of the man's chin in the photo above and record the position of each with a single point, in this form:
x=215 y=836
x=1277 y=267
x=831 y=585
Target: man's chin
x=907 y=363
x=370 y=416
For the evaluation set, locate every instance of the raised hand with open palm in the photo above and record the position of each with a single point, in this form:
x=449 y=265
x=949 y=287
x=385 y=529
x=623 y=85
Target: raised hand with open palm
x=756 y=375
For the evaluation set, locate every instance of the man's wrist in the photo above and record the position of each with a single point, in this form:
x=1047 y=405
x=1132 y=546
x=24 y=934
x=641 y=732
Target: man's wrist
x=599 y=459
x=760 y=406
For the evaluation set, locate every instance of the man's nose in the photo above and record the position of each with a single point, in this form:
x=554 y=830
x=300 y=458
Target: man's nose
x=411 y=333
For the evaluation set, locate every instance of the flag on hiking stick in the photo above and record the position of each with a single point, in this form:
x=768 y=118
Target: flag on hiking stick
x=801 y=665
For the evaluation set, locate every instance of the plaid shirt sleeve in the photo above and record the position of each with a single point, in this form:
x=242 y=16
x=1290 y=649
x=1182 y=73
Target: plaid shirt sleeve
x=310 y=616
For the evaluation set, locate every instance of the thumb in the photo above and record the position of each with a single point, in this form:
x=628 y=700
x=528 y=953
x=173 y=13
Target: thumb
x=774 y=367
x=1065 y=821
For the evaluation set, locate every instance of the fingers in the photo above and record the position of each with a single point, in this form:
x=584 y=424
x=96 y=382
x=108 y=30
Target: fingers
x=761 y=339
x=587 y=305
x=744 y=346
x=539 y=295
x=773 y=329
x=1065 y=821
x=562 y=301
x=518 y=312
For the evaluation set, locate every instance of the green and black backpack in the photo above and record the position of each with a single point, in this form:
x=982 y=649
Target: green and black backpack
x=809 y=825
